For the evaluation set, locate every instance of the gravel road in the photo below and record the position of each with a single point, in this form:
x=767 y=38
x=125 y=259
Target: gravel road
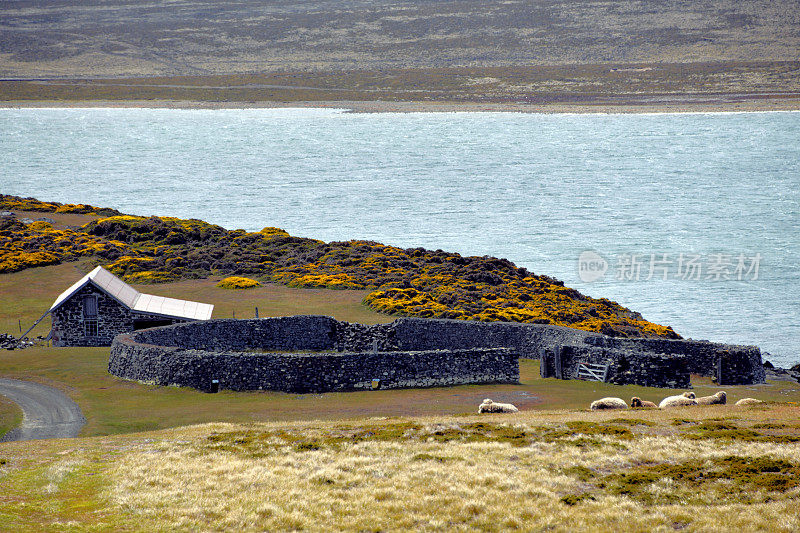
x=47 y=412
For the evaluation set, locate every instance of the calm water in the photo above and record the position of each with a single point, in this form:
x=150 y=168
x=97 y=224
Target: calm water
x=539 y=190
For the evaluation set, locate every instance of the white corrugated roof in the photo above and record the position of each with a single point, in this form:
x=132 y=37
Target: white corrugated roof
x=136 y=301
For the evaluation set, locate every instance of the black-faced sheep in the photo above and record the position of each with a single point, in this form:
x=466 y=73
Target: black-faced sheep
x=608 y=403
x=747 y=401
x=719 y=398
x=637 y=402
x=488 y=406
x=687 y=398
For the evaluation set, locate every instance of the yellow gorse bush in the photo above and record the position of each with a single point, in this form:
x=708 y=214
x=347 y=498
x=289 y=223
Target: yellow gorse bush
x=238 y=282
x=409 y=282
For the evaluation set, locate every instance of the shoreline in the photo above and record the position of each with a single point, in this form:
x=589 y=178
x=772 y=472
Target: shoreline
x=702 y=104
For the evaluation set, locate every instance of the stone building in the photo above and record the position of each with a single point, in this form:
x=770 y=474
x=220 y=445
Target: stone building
x=100 y=306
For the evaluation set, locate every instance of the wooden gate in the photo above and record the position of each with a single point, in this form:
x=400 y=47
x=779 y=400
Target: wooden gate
x=592 y=371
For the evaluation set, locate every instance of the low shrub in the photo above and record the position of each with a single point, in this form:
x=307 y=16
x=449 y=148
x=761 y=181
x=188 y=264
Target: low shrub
x=407 y=282
x=237 y=282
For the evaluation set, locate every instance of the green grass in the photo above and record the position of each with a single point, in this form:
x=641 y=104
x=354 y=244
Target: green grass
x=113 y=405
x=10 y=416
x=55 y=488
x=25 y=296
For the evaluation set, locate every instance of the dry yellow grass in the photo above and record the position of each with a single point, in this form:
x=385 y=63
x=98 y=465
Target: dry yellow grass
x=531 y=471
x=234 y=480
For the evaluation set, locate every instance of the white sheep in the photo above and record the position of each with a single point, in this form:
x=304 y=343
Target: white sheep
x=608 y=403
x=719 y=398
x=644 y=404
x=488 y=406
x=747 y=401
x=687 y=398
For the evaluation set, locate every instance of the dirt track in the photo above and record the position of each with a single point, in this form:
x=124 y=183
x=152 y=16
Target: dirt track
x=47 y=413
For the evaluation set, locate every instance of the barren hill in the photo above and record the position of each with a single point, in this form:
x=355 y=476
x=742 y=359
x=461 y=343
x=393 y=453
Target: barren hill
x=98 y=39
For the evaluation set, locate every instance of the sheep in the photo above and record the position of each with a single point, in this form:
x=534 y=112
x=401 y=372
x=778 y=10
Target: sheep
x=638 y=402
x=488 y=406
x=687 y=398
x=747 y=401
x=719 y=398
x=608 y=403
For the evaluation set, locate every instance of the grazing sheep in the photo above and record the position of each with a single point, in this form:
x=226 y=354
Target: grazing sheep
x=719 y=398
x=488 y=406
x=638 y=402
x=608 y=403
x=747 y=401
x=678 y=401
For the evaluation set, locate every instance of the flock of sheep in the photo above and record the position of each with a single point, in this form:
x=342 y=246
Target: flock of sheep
x=687 y=398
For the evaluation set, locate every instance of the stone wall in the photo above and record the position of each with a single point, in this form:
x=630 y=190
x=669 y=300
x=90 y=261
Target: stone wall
x=289 y=333
x=739 y=364
x=729 y=364
x=624 y=367
x=113 y=318
x=526 y=339
x=308 y=372
x=652 y=362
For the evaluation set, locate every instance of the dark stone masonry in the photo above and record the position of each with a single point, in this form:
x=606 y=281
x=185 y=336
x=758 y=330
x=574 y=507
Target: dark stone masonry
x=71 y=327
x=319 y=354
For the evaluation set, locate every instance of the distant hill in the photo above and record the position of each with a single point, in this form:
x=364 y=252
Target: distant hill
x=202 y=37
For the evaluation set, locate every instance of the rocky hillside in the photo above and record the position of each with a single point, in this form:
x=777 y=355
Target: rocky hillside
x=411 y=282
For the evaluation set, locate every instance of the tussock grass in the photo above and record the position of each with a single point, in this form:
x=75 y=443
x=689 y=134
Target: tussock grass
x=526 y=471
x=432 y=474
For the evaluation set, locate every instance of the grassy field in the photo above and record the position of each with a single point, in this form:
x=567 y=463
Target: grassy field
x=112 y=405
x=526 y=55
x=698 y=469
x=10 y=415
x=167 y=458
x=26 y=295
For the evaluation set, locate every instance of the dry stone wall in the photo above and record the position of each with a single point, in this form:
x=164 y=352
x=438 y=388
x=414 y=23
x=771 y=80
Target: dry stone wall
x=624 y=367
x=409 y=352
x=729 y=364
x=315 y=372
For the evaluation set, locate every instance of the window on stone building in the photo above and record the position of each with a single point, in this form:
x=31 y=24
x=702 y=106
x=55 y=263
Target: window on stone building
x=90 y=307
x=90 y=328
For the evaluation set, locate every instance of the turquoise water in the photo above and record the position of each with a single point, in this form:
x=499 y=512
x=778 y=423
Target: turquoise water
x=537 y=189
